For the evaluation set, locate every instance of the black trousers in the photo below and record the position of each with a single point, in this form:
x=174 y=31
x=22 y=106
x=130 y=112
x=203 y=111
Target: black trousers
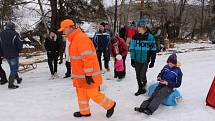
x=68 y=68
x=53 y=61
x=122 y=73
x=160 y=93
x=2 y=74
x=141 y=69
x=106 y=55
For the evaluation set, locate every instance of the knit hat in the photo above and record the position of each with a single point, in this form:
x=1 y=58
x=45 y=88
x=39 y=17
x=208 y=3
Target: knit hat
x=172 y=59
x=141 y=23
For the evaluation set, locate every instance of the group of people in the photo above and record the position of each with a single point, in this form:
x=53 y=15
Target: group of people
x=85 y=57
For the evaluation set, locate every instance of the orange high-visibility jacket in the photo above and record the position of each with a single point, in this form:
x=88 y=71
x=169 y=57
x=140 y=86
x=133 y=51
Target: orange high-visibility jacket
x=83 y=60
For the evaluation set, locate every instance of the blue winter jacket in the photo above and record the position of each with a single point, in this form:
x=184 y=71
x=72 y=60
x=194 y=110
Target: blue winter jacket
x=101 y=40
x=143 y=48
x=172 y=75
x=10 y=43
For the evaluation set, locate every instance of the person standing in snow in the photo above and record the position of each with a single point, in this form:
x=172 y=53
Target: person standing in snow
x=119 y=49
x=122 y=32
x=52 y=45
x=62 y=48
x=157 y=35
x=86 y=74
x=169 y=78
x=130 y=32
x=2 y=72
x=143 y=52
x=101 y=41
x=68 y=65
x=109 y=30
x=11 y=45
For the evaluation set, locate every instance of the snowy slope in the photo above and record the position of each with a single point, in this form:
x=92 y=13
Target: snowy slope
x=40 y=99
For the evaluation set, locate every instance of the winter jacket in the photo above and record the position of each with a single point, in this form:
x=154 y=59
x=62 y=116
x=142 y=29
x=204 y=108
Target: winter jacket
x=84 y=60
x=1 y=60
x=119 y=65
x=122 y=32
x=53 y=45
x=131 y=31
x=143 y=48
x=101 y=40
x=172 y=75
x=122 y=46
x=10 y=44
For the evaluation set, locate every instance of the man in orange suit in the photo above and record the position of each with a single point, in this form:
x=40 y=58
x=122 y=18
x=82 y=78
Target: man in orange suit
x=85 y=70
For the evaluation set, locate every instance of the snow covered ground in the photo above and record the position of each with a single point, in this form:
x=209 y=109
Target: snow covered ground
x=40 y=99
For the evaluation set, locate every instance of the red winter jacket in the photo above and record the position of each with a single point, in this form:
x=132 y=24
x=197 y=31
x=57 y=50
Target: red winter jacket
x=123 y=48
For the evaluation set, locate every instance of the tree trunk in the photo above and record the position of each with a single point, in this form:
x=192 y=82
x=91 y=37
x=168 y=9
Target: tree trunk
x=178 y=18
x=202 y=17
x=121 y=14
x=194 y=28
x=43 y=16
x=115 y=17
x=127 y=17
x=141 y=8
x=54 y=16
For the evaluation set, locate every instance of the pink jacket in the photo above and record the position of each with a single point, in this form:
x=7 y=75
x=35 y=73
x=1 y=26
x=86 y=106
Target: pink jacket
x=119 y=65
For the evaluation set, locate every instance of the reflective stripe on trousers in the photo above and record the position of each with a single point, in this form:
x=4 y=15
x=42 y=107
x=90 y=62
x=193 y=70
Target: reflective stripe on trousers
x=85 y=94
x=83 y=76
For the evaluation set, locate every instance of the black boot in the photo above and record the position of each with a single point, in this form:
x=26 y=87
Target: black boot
x=3 y=79
x=139 y=109
x=110 y=111
x=67 y=75
x=19 y=79
x=11 y=83
x=140 y=91
x=147 y=111
x=78 y=114
x=68 y=68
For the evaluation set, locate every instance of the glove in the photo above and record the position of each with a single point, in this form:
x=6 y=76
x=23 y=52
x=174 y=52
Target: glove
x=151 y=65
x=89 y=80
x=133 y=63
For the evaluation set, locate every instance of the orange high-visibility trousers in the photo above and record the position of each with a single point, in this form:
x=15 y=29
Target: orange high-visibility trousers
x=84 y=95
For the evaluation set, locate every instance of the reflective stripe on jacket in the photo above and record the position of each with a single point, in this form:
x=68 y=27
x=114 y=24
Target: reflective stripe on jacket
x=84 y=60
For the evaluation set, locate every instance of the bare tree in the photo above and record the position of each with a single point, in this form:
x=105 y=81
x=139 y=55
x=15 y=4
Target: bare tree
x=43 y=16
x=128 y=13
x=121 y=13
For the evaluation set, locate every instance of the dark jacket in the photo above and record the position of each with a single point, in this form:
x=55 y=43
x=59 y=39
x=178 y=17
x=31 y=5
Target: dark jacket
x=101 y=40
x=172 y=75
x=10 y=43
x=0 y=60
x=53 y=45
x=123 y=48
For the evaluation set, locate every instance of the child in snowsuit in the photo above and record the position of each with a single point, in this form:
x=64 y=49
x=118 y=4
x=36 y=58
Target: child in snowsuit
x=119 y=51
x=2 y=74
x=169 y=78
